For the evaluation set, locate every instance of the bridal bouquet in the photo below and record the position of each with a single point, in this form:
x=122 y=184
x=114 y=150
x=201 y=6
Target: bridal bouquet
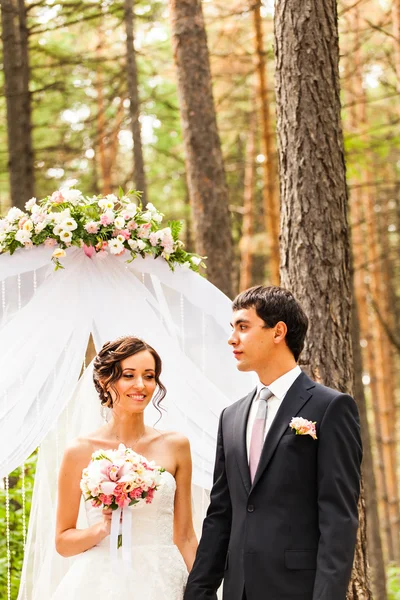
x=97 y=224
x=120 y=478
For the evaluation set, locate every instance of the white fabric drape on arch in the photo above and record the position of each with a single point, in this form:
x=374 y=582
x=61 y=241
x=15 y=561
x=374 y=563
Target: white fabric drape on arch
x=45 y=321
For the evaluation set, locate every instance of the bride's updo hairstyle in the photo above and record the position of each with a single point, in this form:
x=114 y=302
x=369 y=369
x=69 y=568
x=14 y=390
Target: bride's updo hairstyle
x=107 y=368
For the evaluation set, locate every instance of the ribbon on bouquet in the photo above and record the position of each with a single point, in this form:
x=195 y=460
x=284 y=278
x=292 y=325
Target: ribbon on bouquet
x=126 y=531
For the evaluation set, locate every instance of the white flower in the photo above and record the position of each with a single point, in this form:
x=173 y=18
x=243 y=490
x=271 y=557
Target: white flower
x=23 y=236
x=147 y=216
x=59 y=217
x=68 y=184
x=196 y=260
x=116 y=246
x=40 y=226
x=72 y=196
x=120 y=238
x=59 y=253
x=106 y=204
x=110 y=215
x=157 y=217
x=30 y=203
x=57 y=229
x=69 y=224
x=151 y=207
x=2 y=236
x=65 y=236
x=14 y=214
x=119 y=222
x=35 y=209
x=112 y=198
x=3 y=224
x=186 y=265
x=27 y=226
x=131 y=208
x=137 y=245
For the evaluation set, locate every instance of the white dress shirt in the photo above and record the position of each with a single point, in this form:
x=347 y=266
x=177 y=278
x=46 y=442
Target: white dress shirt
x=279 y=388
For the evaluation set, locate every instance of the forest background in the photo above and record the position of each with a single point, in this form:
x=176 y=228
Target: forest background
x=97 y=91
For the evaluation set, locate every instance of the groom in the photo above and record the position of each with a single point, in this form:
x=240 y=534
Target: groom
x=283 y=519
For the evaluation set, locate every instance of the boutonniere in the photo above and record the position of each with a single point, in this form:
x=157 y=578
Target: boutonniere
x=303 y=427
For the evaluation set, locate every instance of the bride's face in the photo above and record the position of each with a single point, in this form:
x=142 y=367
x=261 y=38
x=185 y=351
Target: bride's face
x=136 y=385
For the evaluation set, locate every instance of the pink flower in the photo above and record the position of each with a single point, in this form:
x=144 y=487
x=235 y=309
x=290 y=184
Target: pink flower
x=88 y=250
x=101 y=246
x=153 y=237
x=303 y=427
x=132 y=225
x=136 y=493
x=125 y=233
x=57 y=198
x=96 y=502
x=113 y=472
x=22 y=221
x=107 y=500
x=50 y=242
x=92 y=227
x=105 y=219
x=150 y=496
x=144 y=230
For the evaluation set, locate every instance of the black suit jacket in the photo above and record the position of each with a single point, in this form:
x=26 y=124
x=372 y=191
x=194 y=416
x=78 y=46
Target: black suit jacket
x=291 y=534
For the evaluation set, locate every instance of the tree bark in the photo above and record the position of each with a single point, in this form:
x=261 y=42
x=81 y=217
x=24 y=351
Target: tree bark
x=204 y=163
x=360 y=328
x=246 y=252
x=315 y=248
x=396 y=33
x=139 y=175
x=18 y=100
x=271 y=201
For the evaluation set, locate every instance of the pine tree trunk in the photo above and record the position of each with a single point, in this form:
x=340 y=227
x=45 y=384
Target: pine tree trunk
x=271 y=202
x=246 y=253
x=105 y=172
x=18 y=100
x=139 y=175
x=204 y=163
x=361 y=329
x=396 y=33
x=315 y=249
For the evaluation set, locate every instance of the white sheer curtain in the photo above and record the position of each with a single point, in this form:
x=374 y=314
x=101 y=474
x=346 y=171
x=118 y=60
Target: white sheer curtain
x=45 y=321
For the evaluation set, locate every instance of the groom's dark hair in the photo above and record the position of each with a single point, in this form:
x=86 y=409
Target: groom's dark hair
x=273 y=304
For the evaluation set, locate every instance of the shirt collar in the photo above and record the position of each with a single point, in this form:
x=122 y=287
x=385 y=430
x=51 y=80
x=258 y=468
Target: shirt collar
x=280 y=386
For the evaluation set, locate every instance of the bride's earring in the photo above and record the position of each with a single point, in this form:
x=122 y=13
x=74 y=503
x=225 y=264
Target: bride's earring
x=104 y=414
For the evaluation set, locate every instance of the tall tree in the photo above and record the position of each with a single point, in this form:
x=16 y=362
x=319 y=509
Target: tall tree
x=204 y=163
x=315 y=251
x=270 y=195
x=18 y=99
x=139 y=175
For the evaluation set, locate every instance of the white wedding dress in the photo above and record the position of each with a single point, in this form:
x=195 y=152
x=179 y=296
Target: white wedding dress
x=156 y=570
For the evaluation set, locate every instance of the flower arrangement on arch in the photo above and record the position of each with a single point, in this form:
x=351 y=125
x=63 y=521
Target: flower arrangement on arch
x=97 y=224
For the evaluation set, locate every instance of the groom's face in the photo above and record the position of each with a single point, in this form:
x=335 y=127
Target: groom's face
x=251 y=340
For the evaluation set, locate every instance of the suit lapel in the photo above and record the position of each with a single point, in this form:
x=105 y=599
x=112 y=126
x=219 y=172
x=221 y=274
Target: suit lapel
x=239 y=433
x=296 y=397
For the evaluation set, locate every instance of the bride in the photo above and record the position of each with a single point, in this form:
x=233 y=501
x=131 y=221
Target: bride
x=127 y=378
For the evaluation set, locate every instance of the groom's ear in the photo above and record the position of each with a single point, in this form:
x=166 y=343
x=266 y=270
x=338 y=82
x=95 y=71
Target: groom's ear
x=280 y=331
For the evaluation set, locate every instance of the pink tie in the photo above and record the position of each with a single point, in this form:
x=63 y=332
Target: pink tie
x=257 y=433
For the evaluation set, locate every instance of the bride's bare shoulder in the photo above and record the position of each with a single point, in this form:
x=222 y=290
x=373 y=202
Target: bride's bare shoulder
x=176 y=439
x=79 y=449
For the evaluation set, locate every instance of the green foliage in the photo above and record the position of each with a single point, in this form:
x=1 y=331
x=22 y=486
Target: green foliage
x=393 y=582
x=15 y=524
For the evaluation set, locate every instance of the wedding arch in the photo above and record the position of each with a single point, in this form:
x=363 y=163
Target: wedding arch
x=46 y=398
